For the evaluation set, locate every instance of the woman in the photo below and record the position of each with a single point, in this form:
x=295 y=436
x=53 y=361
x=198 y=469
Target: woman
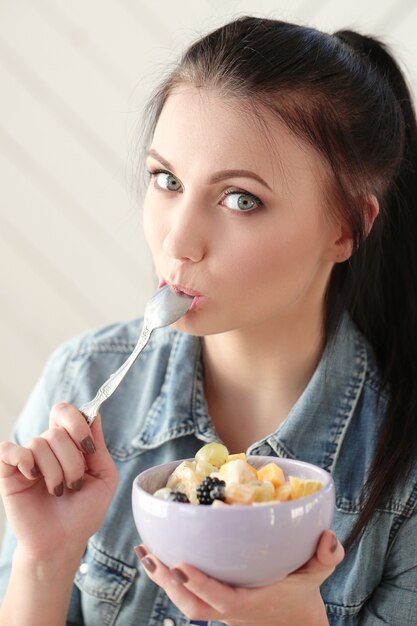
x=282 y=196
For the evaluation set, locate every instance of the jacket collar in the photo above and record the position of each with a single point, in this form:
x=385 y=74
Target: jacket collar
x=316 y=425
x=180 y=408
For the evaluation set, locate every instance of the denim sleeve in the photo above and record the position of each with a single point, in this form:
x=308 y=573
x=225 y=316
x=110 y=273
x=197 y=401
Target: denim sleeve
x=33 y=420
x=394 y=601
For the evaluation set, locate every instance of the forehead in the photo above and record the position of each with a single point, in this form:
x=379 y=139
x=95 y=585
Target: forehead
x=199 y=124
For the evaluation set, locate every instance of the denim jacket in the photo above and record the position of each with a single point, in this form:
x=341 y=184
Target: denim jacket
x=159 y=413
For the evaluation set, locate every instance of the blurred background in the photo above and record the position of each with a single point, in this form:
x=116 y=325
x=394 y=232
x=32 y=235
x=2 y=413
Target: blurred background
x=74 y=77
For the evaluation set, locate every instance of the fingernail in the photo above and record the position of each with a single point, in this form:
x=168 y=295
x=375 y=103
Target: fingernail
x=140 y=552
x=148 y=564
x=35 y=472
x=87 y=445
x=334 y=545
x=58 y=491
x=77 y=484
x=179 y=576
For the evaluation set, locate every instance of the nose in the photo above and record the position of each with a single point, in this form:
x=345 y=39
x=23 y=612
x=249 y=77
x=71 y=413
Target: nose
x=186 y=235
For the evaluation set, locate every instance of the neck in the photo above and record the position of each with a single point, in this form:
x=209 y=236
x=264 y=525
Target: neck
x=254 y=376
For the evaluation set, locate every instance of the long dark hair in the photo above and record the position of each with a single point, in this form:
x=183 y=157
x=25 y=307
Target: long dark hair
x=346 y=96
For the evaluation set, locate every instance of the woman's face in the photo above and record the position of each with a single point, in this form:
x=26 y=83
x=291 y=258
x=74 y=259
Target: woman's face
x=234 y=213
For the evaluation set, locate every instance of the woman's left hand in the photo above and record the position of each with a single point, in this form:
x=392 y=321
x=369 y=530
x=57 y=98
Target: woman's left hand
x=294 y=600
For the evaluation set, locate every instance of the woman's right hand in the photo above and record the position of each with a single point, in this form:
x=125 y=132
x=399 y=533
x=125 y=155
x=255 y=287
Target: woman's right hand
x=57 y=488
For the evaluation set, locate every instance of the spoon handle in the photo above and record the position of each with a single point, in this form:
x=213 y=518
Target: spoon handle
x=91 y=408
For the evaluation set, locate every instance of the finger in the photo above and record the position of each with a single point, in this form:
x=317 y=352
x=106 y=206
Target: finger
x=17 y=458
x=330 y=551
x=192 y=606
x=329 y=554
x=101 y=464
x=70 y=418
x=69 y=457
x=48 y=465
x=223 y=598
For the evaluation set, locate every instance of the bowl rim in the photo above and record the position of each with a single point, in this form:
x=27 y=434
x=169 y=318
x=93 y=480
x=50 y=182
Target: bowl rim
x=328 y=487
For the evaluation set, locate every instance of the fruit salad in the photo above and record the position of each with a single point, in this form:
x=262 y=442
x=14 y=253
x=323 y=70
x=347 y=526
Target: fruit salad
x=220 y=479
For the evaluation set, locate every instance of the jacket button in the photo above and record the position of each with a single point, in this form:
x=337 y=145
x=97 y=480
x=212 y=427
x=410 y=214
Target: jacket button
x=83 y=568
x=265 y=450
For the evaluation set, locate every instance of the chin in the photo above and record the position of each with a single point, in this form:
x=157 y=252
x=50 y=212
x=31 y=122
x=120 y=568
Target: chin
x=196 y=325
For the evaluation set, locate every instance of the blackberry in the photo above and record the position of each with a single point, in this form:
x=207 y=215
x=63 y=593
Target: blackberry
x=177 y=496
x=210 y=489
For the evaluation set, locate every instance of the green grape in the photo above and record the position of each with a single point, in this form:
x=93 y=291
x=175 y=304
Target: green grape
x=214 y=453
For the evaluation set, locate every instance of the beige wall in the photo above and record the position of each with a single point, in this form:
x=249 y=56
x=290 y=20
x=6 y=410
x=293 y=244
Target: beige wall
x=73 y=77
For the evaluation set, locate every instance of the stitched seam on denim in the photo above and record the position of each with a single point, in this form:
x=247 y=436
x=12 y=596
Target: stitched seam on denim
x=280 y=449
x=114 y=598
x=400 y=519
x=198 y=404
x=341 y=610
x=127 y=571
x=374 y=384
x=349 y=402
x=153 y=413
x=354 y=507
x=88 y=345
x=112 y=593
x=159 y=611
x=115 y=613
x=141 y=446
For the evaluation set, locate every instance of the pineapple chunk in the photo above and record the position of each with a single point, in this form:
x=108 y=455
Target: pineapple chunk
x=234 y=457
x=303 y=487
x=273 y=473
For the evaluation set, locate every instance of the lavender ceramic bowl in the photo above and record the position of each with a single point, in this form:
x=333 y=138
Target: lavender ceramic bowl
x=247 y=546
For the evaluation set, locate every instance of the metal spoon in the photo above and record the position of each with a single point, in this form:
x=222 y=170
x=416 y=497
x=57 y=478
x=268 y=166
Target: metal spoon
x=164 y=308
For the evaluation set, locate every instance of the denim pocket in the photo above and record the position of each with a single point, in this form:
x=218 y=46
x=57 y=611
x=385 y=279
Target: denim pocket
x=103 y=582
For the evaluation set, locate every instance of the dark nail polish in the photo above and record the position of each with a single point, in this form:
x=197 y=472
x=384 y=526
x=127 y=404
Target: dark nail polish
x=58 y=491
x=35 y=472
x=334 y=545
x=148 y=564
x=77 y=484
x=88 y=446
x=140 y=552
x=179 y=575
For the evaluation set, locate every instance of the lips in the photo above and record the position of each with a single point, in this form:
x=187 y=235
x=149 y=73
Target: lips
x=183 y=290
x=180 y=289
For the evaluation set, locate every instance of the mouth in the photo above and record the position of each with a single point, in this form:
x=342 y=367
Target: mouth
x=183 y=291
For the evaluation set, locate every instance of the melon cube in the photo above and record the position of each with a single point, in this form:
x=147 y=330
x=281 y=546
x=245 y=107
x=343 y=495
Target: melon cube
x=283 y=492
x=273 y=473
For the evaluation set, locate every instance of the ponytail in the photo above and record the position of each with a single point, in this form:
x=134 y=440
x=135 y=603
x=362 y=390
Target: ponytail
x=384 y=303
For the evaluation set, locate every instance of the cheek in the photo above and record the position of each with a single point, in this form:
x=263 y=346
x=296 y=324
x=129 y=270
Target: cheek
x=274 y=258
x=151 y=225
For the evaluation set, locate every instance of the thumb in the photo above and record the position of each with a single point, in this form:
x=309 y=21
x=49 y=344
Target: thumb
x=100 y=464
x=329 y=554
x=330 y=551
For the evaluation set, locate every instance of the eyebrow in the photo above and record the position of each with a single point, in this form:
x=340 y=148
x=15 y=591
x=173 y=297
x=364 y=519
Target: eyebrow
x=217 y=176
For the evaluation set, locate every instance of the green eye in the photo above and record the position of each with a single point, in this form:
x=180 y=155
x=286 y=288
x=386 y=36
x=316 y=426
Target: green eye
x=165 y=180
x=240 y=201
